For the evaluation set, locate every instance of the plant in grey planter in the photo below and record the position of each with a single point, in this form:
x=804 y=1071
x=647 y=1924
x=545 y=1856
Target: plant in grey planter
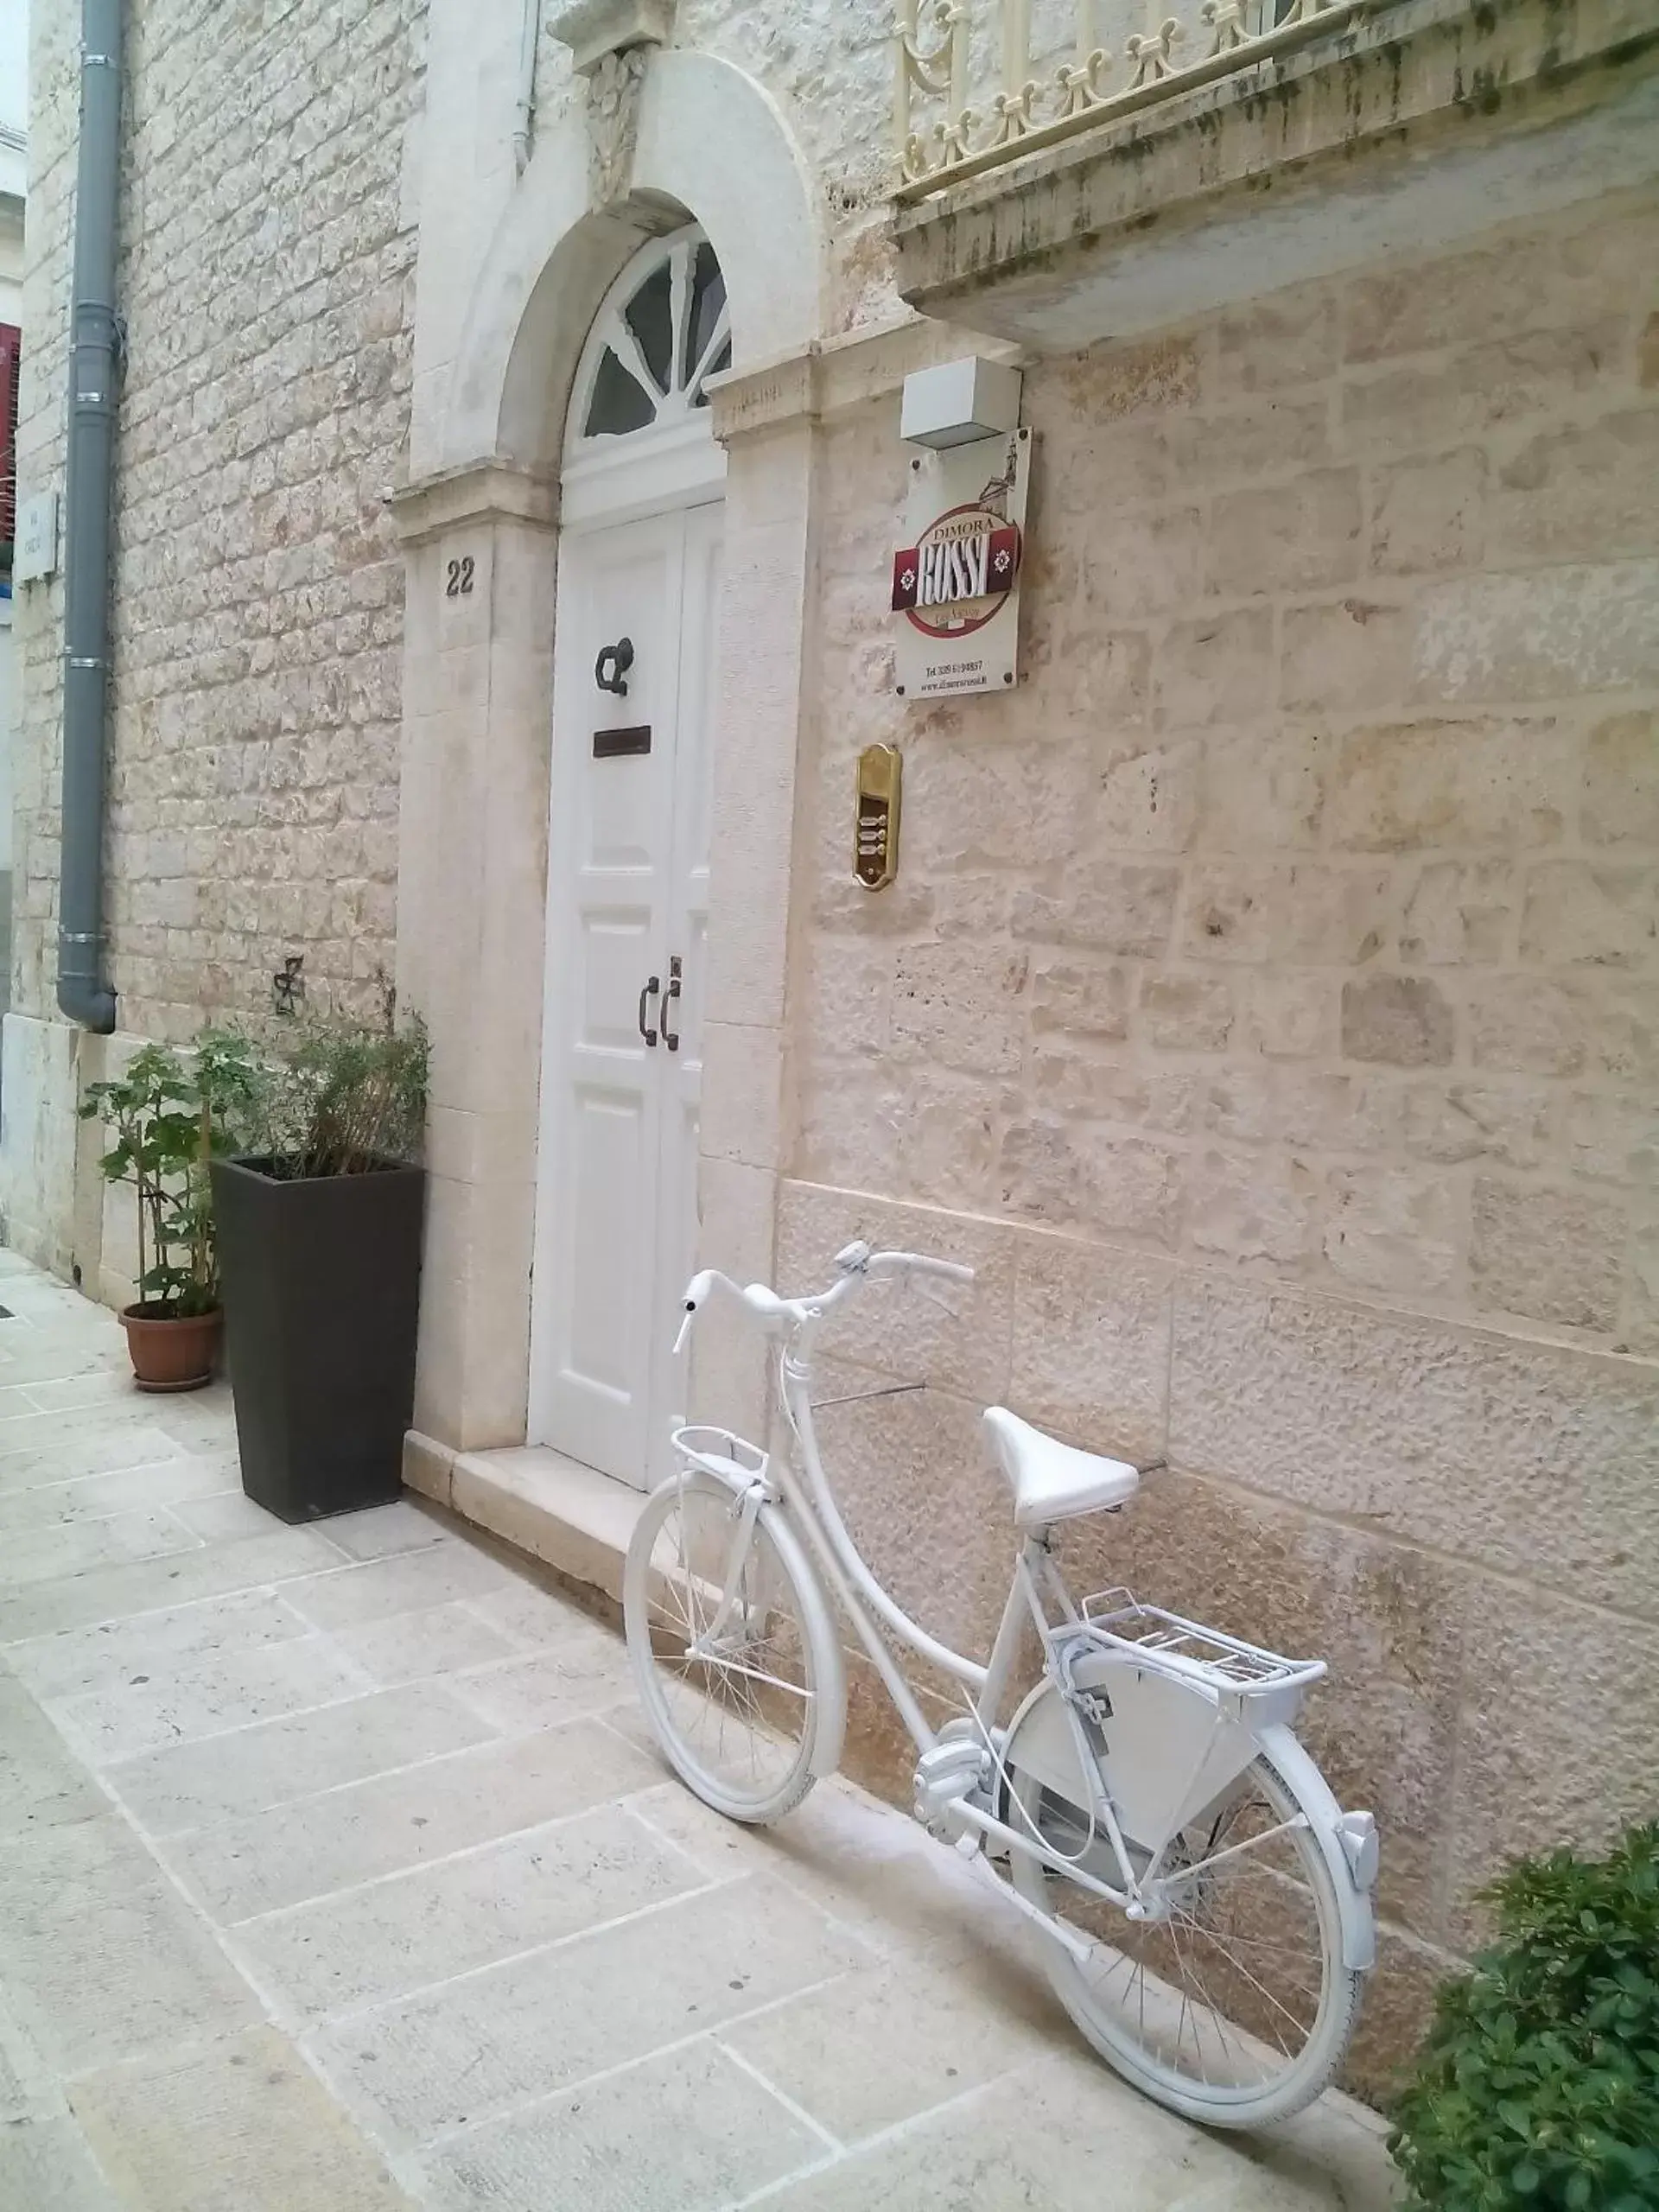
x=319 y=1219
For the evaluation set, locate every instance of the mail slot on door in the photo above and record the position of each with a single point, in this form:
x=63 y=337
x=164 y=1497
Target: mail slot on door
x=875 y=841
x=616 y=744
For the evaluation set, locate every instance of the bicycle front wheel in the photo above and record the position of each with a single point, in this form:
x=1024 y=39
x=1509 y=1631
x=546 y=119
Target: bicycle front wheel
x=1234 y=2008
x=733 y=1648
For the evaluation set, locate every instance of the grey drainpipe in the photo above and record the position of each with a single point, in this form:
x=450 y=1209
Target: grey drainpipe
x=94 y=343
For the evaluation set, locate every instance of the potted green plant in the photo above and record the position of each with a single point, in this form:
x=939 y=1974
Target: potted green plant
x=1538 y=2084
x=320 y=1221
x=168 y=1117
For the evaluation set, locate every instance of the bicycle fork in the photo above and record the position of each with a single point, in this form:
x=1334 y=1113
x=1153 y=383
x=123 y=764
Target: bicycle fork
x=754 y=1497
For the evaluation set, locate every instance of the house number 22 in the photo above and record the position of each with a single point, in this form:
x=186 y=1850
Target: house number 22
x=460 y=578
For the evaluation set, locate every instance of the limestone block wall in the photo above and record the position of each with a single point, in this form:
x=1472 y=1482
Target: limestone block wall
x=42 y=398
x=1268 y=1004
x=267 y=251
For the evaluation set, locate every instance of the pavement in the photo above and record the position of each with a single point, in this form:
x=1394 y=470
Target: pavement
x=337 y=1874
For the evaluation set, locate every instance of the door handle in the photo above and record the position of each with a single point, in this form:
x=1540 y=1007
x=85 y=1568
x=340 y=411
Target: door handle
x=672 y=1037
x=620 y=659
x=650 y=992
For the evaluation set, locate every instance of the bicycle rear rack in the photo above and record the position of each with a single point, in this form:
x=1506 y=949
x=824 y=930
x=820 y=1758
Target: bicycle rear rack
x=1116 y=1620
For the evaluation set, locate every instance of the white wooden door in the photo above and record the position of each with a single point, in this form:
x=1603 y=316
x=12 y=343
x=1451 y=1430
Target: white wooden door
x=621 y=1063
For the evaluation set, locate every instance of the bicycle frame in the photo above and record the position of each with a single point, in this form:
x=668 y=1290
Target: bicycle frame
x=1035 y=1587
x=1153 y=1760
x=962 y=1771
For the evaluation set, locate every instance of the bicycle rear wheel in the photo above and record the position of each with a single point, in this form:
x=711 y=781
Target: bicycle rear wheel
x=750 y=1711
x=1236 y=2008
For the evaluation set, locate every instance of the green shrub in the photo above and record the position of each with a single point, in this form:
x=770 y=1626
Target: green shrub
x=1538 y=2084
x=344 y=1098
x=327 y=1096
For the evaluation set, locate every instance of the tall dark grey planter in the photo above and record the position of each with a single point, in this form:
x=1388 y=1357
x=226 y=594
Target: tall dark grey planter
x=321 y=1289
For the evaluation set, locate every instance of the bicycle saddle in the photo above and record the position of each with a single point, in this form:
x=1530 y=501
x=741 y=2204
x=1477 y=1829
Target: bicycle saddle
x=1051 y=1481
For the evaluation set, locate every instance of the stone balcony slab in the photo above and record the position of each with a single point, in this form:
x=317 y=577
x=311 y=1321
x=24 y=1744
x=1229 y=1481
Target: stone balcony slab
x=1407 y=126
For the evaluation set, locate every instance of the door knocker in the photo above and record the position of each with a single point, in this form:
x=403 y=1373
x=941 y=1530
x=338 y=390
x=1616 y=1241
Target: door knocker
x=611 y=669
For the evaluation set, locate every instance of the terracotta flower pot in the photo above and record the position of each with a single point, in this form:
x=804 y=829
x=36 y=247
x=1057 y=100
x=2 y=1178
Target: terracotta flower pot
x=172 y=1351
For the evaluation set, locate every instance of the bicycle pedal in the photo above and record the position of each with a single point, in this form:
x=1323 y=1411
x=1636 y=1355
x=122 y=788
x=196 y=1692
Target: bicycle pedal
x=945 y=1773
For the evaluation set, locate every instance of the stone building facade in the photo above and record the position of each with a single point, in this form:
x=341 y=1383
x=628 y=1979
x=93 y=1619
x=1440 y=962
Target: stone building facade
x=14 y=193
x=1268 y=1000
x=267 y=247
x=1271 y=993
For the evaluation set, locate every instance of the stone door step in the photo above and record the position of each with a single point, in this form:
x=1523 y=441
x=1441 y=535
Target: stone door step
x=569 y=1517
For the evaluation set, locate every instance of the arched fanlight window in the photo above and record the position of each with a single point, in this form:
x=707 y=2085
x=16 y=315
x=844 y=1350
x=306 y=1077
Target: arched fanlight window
x=663 y=332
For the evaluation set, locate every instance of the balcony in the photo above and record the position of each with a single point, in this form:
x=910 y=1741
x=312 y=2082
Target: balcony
x=1056 y=186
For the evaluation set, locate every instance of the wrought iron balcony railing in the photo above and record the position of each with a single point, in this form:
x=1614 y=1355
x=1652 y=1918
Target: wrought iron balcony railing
x=971 y=90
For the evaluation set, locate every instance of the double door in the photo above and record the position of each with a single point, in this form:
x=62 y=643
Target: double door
x=628 y=915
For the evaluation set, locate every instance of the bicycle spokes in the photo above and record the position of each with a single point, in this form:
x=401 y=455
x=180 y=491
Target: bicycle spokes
x=729 y=1653
x=1222 y=1989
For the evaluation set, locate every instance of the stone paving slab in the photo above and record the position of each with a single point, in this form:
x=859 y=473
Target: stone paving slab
x=870 y=2050
x=42 y=1785
x=886 y=1880
x=379 y=1589
x=239 y=2123
x=227 y=1513
x=47 y=2165
x=421 y=1928
x=70 y=1546
x=371 y=1828
x=79 y=1661
x=210 y=1696
x=68 y=1393
x=385 y=1530
x=167 y=1482
x=100 y=1958
x=18 y=2095
x=252 y=1769
x=115 y=1592
x=436 y=1640
x=41 y=1461
x=47 y=1354
x=27 y=1428
x=533 y=1618
x=714 y=2134
x=1055 y=2136
x=338 y=1873
x=585 y=1672
x=544 y=2020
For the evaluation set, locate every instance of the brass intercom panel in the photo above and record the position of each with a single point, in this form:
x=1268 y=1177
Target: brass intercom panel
x=875 y=846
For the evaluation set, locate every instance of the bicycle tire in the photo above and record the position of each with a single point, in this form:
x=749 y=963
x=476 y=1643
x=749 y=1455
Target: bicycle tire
x=777 y=1700
x=1119 y=2033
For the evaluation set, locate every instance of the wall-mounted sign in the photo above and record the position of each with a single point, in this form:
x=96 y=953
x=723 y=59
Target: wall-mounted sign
x=875 y=835
x=36 y=554
x=956 y=583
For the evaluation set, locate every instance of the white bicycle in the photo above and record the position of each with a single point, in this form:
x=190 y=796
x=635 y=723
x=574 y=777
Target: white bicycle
x=1207 y=1904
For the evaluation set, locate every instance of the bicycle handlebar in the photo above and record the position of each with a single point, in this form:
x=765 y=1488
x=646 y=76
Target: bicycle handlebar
x=856 y=1264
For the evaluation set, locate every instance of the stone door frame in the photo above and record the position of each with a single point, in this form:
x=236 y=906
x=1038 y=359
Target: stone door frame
x=704 y=142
